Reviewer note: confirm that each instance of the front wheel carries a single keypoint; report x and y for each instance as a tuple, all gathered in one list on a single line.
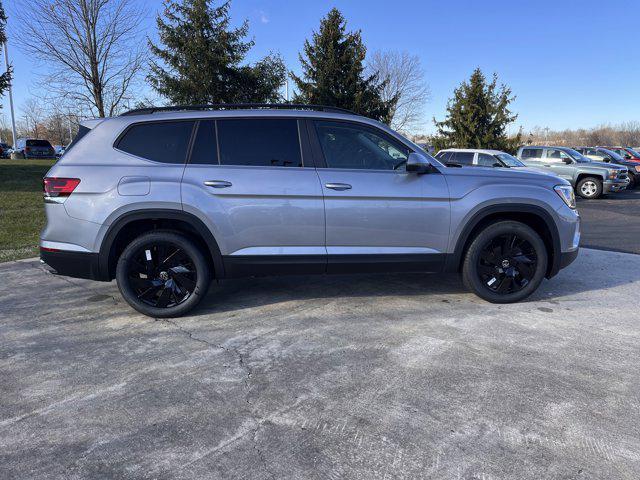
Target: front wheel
[(632, 182), (589, 187), (505, 262), (162, 274)]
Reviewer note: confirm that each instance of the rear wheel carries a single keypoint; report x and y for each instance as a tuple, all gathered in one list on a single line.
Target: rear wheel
[(505, 263), (589, 187), (162, 274)]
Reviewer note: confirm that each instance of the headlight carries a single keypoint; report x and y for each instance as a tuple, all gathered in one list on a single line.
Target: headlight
[(566, 194), (637, 169), (613, 175)]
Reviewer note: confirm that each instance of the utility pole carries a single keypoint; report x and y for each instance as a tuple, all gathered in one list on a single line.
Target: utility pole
[(13, 120)]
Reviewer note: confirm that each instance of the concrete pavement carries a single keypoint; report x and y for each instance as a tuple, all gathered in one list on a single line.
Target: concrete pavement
[(397, 376)]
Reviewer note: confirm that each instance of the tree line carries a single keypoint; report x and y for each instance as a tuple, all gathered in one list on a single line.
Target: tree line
[(97, 64)]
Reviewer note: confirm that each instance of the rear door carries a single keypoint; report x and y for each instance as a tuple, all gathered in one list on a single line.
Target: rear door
[(253, 182), (378, 216)]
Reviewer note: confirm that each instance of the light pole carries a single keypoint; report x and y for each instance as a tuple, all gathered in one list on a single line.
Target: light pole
[(13, 120)]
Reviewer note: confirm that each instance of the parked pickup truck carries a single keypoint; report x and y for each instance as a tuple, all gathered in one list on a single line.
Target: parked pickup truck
[(590, 179)]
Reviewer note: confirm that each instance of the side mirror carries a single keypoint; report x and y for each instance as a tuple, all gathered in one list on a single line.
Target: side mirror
[(416, 163), (568, 161)]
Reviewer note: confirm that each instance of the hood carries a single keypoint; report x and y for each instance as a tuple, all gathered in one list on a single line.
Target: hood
[(515, 173), (608, 166)]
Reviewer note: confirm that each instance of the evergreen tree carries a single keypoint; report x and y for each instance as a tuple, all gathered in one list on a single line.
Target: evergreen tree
[(333, 71), (477, 116), (203, 57), (5, 78)]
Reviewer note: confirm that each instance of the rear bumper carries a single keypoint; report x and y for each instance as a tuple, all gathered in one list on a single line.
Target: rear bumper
[(73, 264)]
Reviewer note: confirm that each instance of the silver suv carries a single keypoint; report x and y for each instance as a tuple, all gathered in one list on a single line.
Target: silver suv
[(166, 199)]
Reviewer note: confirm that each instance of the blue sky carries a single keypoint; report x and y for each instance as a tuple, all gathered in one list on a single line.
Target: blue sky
[(570, 63)]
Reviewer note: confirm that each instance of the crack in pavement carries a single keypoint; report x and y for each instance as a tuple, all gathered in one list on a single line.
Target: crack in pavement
[(235, 351)]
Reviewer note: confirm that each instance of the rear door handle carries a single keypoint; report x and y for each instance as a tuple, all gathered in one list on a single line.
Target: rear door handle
[(218, 183), (338, 186)]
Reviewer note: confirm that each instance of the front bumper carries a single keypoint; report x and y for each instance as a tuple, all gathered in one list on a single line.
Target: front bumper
[(567, 258), (72, 264), (612, 186)]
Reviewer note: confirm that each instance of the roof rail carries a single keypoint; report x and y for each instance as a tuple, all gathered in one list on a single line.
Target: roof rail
[(238, 106)]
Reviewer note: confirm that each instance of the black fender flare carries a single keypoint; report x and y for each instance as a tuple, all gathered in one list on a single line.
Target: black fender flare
[(454, 260), (158, 214)]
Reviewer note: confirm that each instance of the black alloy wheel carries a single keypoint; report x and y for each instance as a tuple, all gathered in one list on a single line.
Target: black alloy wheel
[(505, 262), (162, 274)]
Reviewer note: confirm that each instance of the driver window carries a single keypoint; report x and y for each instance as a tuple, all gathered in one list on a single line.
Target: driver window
[(347, 145), (556, 155), (485, 160)]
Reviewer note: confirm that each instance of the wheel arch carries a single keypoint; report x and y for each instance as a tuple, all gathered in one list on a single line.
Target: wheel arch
[(600, 176), (534, 216), (132, 224)]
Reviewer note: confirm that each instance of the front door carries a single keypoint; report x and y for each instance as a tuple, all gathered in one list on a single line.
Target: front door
[(378, 216), (560, 163), (259, 195)]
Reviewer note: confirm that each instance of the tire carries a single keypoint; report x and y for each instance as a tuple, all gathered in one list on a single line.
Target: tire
[(163, 291), (632, 182), (518, 266), (589, 187)]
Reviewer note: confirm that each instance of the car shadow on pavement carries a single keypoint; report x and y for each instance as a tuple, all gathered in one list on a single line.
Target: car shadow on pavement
[(591, 272)]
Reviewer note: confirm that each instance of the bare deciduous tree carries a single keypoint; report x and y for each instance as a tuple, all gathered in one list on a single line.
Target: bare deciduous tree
[(405, 81), (91, 49), (33, 115), (625, 134)]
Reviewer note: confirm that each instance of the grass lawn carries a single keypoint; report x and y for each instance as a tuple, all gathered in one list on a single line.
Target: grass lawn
[(21, 207)]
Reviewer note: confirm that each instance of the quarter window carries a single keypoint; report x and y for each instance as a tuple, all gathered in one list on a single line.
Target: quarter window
[(164, 142), (346, 145), (259, 142)]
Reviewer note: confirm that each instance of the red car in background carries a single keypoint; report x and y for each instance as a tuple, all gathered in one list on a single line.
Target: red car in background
[(626, 152)]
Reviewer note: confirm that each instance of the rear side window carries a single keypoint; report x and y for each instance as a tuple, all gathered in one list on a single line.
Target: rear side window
[(164, 142), (531, 153), (259, 142), (463, 158)]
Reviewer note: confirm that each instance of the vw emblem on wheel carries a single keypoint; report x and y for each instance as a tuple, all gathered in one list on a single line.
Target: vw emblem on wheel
[(505, 263)]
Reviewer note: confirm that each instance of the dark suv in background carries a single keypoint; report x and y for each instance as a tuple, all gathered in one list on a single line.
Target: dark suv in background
[(34, 148)]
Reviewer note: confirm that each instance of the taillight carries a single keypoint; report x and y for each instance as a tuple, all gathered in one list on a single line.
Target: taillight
[(27, 149), (57, 189)]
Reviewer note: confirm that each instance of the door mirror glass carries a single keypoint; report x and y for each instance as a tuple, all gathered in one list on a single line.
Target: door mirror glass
[(416, 163)]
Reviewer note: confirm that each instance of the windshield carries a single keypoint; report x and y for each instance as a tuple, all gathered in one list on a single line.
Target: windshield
[(509, 160), (577, 156), (613, 155), (633, 152)]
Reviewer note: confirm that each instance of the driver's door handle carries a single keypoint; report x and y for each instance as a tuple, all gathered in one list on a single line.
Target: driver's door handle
[(217, 183), (338, 186)]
